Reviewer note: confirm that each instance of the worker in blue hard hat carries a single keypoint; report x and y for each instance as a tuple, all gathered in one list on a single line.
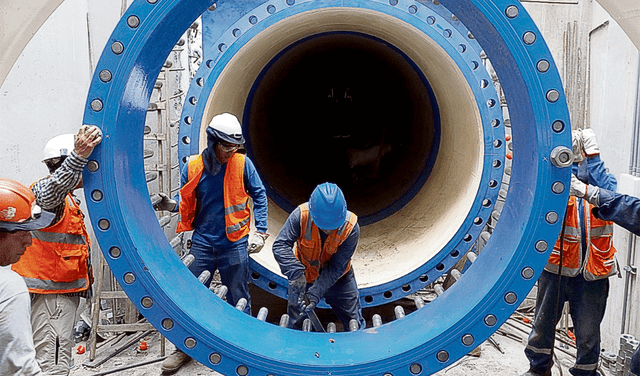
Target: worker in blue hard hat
[(314, 250), (213, 201)]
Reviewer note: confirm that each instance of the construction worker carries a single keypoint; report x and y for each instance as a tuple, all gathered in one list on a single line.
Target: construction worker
[(314, 250), (623, 210), (214, 203), (57, 266), (577, 271), (19, 214)]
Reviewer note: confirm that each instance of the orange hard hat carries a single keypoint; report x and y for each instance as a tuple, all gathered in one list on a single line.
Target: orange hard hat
[(18, 209)]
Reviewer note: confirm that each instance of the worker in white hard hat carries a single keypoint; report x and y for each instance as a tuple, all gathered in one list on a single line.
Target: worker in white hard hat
[(214, 202), (314, 250), (578, 269), (19, 215), (57, 266)]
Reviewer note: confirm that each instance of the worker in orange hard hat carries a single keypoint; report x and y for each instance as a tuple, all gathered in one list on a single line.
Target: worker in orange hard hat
[(19, 215), (314, 250), (57, 266)]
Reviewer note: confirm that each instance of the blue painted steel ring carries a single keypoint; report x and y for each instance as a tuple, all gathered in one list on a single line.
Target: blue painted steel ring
[(423, 342), (456, 40)]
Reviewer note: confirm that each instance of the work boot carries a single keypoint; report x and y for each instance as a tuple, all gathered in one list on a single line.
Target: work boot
[(173, 363), (531, 372)]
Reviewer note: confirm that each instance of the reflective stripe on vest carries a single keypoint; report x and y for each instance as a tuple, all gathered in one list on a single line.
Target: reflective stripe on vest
[(309, 248), (237, 211), (58, 260), (599, 262)]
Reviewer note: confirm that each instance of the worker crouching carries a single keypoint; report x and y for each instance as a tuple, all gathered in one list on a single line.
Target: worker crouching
[(314, 250)]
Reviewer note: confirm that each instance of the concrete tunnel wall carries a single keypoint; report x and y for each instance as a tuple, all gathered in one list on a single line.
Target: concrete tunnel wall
[(413, 234)]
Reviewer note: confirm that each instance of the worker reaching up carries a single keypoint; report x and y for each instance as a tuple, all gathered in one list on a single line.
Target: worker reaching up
[(314, 250), (213, 201), (57, 266), (577, 271)]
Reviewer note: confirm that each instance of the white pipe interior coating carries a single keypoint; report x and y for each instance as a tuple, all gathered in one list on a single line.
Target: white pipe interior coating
[(398, 244)]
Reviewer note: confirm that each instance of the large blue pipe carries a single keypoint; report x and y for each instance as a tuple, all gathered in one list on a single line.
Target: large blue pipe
[(423, 342)]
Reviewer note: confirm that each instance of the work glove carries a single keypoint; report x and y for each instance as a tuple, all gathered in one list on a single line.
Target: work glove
[(578, 146), (165, 203), (297, 288), (589, 140), (256, 242), (579, 189), (313, 302)]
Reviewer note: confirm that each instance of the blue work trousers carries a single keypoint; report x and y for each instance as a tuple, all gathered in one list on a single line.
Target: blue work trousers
[(344, 299), (233, 265), (587, 303), (635, 363)]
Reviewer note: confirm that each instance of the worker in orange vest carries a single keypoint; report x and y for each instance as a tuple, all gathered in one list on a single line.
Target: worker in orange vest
[(19, 215), (213, 201), (314, 250), (623, 210), (587, 255), (57, 266)]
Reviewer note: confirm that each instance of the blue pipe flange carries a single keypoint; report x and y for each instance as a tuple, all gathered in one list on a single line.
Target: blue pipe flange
[(434, 21), (233, 343)]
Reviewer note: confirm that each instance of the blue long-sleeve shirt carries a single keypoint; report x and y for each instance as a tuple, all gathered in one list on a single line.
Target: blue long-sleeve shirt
[(623, 210), (209, 225), (292, 268), (592, 171)]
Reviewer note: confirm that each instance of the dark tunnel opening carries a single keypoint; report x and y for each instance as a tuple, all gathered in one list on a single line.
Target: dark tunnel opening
[(346, 108)]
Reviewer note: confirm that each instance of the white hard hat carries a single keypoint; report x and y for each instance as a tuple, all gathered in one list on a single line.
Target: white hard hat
[(59, 146), (226, 127)]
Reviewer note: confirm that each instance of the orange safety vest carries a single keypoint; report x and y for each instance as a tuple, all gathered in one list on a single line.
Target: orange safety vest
[(309, 249), (58, 259), (237, 213), (599, 262)]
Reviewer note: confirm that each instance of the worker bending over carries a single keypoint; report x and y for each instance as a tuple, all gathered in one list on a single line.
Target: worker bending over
[(19, 214), (587, 256), (213, 201), (314, 250), (57, 266)]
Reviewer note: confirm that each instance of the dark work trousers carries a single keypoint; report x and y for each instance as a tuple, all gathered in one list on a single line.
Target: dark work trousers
[(344, 299), (635, 363), (587, 303), (233, 265)]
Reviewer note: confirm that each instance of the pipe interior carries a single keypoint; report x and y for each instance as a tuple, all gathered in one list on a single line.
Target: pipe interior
[(343, 108), (313, 87)]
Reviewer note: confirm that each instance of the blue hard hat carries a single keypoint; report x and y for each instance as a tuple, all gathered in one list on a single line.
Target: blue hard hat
[(327, 206)]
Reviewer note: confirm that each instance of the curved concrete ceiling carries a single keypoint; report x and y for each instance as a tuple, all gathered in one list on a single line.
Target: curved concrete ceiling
[(627, 15), (20, 20)]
